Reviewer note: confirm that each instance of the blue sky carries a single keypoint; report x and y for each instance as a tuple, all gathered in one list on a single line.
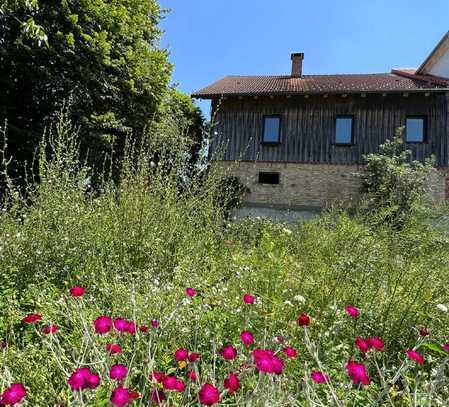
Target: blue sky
[(209, 39)]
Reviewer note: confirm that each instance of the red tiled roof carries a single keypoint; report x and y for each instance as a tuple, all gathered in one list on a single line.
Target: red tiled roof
[(398, 81)]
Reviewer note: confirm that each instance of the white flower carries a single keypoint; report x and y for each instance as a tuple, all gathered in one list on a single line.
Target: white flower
[(299, 298), (287, 231), (442, 307), (288, 303)]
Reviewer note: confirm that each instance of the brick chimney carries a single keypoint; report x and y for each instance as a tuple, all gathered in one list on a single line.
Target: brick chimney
[(297, 64)]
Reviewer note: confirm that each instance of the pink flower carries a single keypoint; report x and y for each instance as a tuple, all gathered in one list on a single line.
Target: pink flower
[(83, 378), (376, 343), (32, 318), (118, 372), (247, 338), (169, 382), (190, 292), (249, 299), (154, 323), (120, 324), (267, 362), (193, 356), (277, 365), (192, 375), (280, 339), (113, 348), (181, 354), (352, 311), (362, 344), (120, 397), (158, 376), (134, 395), (424, 332), (357, 373), (229, 352), (303, 320), (262, 353), (93, 381), (415, 356), (318, 377), (158, 396), (77, 291), (208, 395), (50, 329), (446, 347), (13, 394), (290, 352), (131, 327), (232, 383), (102, 324), (180, 386), (143, 328)]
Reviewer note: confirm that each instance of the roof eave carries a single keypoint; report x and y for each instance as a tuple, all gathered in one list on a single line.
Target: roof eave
[(432, 53)]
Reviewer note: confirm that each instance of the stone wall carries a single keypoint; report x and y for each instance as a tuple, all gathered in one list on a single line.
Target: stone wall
[(309, 186)]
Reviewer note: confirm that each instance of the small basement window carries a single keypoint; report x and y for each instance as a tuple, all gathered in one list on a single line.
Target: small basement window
[(271, 129), (343, 130), (268, 178), (415, 129)]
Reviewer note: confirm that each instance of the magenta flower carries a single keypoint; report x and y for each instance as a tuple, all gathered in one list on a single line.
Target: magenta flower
[(120, 397), (118, 372), (181, 354), (131, 327), (180, 386), (113, 348), (267, 362), (169, 382), (423, 331), (290, 352), (249, 299), (352, 311), (158, 376), (143, 328), (32, 318), (190, 292), (247, 338), (357, 373), (362, 344), (158, 396), (303, 320), (415, 356), (318, 377), (50, 329), (121, 324), (208, 395), (93, 381), (154, 323), (102, 324), (83, 378), (192, 375), (446, 347), (376, 343), (14, 394), (77, 291), (232, 383), (229, 352), (193, 356)]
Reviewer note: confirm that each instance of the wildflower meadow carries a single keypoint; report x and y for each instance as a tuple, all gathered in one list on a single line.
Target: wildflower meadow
[(141, 292)]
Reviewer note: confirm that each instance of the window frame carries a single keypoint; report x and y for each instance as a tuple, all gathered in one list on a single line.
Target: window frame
[(344, 116), (278, 174), (424, 136), (271, 116)]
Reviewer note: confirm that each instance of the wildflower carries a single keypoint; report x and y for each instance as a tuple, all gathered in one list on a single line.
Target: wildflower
[(77, 291), (192, 375), (158, 396), (32, 318), (120, 324), (102, 324), (118, 372), (446, 347), (415, 356), (267, 362), (290, 352), (249, 299), (134, 395), (13, 394), (143, 328), (232, 383), (113, 348), (50, 329), (423, 331), (180, 386), (362, 344), (193, 356), (357, 373), (131, 327), (154, 323), (208, 395), (229, 352), (83, 378), (299, 298), (190, 292), (442, 307), (375, 342), (303, 320), (120, 397), (93, 381), (318, 377), (181, 354), (247, 338), (169, 382), (158, 376), (352, 311)]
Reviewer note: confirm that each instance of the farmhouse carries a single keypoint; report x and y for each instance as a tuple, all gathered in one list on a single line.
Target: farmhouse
[(298, 140)]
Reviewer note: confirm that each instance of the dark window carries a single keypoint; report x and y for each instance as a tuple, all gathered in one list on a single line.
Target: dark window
[(271, 129), (268, 178), (343, 130), (415, 129)]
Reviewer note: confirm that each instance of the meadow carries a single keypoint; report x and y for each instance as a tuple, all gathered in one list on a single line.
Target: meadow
[(143, 292)]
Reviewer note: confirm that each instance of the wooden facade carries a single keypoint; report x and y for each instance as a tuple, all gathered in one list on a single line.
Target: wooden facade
[(308, 126)]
